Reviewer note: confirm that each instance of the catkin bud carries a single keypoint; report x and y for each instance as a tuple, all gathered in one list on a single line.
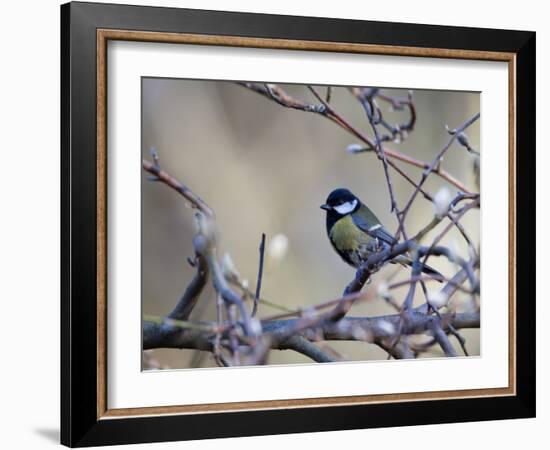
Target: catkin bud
[(386, 327), (355, 148), (442, 202), (437, 299), (277, 247)]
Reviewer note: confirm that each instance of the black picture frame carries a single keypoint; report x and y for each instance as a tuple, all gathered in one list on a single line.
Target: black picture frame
[(80, 425)]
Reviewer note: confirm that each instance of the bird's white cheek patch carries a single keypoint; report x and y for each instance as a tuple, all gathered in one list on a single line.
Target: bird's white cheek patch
[(346, 208)]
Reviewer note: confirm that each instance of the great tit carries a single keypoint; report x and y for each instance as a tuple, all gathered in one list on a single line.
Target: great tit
[(356, 233)]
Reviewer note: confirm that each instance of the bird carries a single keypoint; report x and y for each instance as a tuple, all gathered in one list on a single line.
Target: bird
[(356, 233)]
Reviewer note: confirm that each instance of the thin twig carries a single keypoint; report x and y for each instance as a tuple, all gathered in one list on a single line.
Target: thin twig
[(327, 111), (435, 165), (195, 201), (260, 275), (329, 94)]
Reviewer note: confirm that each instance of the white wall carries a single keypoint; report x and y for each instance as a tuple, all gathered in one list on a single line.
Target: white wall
[(29, 245)]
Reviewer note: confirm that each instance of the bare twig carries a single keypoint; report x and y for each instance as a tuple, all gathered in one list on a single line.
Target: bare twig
[(369, 106), (195, 201), (325, 110), (433, 167), (356, 296), (260, 274), (329, 94)]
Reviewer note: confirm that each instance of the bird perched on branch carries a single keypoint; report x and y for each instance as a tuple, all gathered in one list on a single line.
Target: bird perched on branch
[(356, 233)]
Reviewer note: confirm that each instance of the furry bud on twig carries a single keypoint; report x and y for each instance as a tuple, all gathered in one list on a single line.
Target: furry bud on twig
[(437, 299), (356, 148), (386, 327), (256, 326), (382, 290), (442, 202), (277, 248)]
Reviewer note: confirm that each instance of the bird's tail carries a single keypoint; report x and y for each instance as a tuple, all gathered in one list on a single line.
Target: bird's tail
[(406, 261)]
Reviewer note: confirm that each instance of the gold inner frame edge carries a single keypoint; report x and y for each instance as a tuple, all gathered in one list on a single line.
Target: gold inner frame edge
[(103, 36)]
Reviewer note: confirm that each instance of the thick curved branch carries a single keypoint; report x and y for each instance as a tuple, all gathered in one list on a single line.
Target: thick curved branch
[(192, 293), (442, 339), (300, 344), (168, 335), (205, 241)]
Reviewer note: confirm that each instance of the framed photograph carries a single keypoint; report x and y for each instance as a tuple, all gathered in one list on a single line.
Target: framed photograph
[(276, 224)]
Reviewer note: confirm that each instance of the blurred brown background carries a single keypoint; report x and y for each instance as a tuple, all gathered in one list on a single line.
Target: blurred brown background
[(266, 168)]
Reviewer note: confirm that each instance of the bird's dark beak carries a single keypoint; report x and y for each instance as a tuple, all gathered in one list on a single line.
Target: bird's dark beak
[(326, 207)]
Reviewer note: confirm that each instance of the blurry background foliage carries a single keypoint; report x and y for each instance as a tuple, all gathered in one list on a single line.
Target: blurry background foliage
[(266, 168)]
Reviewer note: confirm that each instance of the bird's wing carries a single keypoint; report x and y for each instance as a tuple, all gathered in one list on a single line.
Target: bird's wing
[(374, 228)]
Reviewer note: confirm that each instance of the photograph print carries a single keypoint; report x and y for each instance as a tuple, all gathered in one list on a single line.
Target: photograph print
[(303, 224)]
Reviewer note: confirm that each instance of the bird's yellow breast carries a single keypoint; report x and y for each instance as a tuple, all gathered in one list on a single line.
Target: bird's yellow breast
[(345, 235)]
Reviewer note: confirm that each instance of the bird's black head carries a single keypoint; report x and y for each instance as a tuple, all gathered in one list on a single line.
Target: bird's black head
[(341, 202)]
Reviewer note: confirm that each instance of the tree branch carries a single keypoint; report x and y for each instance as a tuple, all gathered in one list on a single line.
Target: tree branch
[(194, 200), (325, 110), (192, 293), (167, 334), (300, 344)]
